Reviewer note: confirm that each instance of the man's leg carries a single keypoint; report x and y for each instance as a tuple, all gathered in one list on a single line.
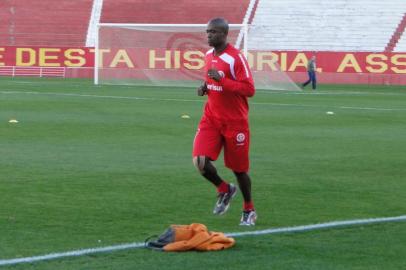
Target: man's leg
[(207, 169), (236, 152), (308, 81), (244, 182), (314, 80), (225, 190), (206, 147), (249, 216)]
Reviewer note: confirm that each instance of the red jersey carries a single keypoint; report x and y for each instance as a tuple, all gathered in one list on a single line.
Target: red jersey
[(227, 99)]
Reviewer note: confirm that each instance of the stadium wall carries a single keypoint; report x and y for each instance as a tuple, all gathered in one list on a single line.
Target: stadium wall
[(333, 67)]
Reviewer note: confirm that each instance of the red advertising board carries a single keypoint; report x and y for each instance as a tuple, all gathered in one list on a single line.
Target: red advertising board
[(46, 57), (333, 67)]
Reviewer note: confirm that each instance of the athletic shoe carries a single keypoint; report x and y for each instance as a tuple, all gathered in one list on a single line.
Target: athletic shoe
[(248, 218), (224, 199)]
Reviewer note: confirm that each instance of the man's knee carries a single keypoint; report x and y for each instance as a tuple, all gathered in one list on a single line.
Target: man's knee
[(237, 173), (200, 163)]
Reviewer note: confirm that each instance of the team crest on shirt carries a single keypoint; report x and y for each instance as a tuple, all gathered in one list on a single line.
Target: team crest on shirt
[(240, 137)]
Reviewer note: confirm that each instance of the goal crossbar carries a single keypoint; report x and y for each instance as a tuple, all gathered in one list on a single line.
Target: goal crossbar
[(173, 55), (160, 25)]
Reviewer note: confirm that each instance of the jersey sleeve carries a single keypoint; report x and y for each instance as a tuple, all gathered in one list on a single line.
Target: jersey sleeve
[(243, 83)]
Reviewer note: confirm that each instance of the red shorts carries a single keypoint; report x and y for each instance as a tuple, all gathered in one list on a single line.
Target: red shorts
[(213, 134)]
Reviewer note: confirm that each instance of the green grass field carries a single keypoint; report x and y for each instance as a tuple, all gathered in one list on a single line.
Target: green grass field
[(90, 166)]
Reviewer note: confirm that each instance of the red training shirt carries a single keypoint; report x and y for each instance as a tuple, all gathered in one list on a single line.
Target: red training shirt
[(227, 99)]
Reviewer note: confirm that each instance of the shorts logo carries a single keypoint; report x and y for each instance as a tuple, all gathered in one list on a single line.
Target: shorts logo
[(240, 137)]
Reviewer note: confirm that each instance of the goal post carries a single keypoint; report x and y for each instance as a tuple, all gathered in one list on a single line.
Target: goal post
[(166, 55)]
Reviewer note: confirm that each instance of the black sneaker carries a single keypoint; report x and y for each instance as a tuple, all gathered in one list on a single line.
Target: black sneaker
[(224, 199)]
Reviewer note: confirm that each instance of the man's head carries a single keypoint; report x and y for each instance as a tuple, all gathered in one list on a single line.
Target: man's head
[(217, 31)]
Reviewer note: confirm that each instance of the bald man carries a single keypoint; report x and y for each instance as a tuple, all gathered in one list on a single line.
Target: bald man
[(224, 124)]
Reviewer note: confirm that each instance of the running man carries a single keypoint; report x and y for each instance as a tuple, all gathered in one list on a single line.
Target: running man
[(224, 124)]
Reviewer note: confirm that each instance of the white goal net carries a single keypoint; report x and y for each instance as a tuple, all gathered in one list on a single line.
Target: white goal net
[(171, 55)]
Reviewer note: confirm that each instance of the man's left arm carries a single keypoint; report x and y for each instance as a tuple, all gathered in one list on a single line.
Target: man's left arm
[(243, 83), (243, 88)]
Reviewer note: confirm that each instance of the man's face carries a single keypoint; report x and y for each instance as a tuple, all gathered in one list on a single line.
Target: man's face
[(215, 35)]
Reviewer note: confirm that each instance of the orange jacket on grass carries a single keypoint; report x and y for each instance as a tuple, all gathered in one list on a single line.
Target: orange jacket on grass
[(196, 237)]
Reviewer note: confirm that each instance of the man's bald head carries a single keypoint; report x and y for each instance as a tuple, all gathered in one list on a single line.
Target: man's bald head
[(220, 23)]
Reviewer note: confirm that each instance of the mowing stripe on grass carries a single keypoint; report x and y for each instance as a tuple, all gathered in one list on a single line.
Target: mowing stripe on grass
[(303, 228), (198, 100)]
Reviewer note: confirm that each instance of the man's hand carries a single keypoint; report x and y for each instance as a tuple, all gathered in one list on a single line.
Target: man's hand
[(214, 74), (202, 90)]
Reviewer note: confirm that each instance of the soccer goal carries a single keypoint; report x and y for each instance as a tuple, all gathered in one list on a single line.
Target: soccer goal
[(169, 55)]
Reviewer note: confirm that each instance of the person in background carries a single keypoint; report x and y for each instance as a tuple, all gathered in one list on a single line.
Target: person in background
[(311, 71)]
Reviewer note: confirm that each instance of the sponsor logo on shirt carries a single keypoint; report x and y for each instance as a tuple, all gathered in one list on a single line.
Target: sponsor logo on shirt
[(214, 87)]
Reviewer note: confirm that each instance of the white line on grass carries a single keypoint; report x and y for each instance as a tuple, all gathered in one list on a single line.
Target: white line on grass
[(303, 228), (330, 93), (277, 92), (332, 107), (333, 224), (197, 100), (74, 253)]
